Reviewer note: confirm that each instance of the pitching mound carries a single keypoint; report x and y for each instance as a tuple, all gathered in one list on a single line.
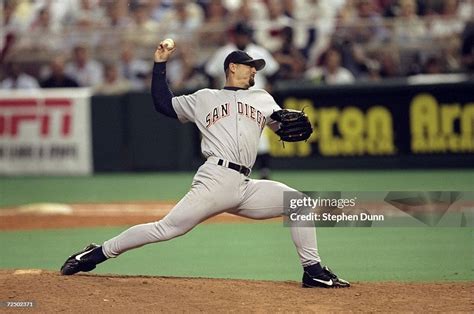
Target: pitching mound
[(92, 293)]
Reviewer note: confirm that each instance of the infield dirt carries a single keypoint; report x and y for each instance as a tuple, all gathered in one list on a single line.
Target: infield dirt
[(94, 293), (95, 215)]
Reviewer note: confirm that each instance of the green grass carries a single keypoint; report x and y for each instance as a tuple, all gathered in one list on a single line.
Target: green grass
[(172, 186), (253, 251), (98, 188), (263, 251)]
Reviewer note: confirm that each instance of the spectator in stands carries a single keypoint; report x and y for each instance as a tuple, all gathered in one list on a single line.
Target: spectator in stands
[(467, 49), (117, 15), (43, 27), (60, 12), (113, 28), (215, 12), (373, 70), (86, 71), (356, 60), (183, 73), (466, 10), (216, 17), (347, 14), (433, 65), (250, 11), (10, 20), (448, 23), (89, 14), (369, 24), (388, 8), (289, 8), (312, 10), (132, 68), (11, 27), (143, 30), (389, 64), (114, 83), (268, 33), (331, 71), (412, 63), (17, 79), (23, 13), (42, 23), (291, 60), (408, 27), (159, 9), (58, 78), (452, 54), (324, 14), (185, 16), (241, 38)]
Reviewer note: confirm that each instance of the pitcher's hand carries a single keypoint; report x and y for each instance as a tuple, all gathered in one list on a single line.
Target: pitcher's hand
[(162, 53)]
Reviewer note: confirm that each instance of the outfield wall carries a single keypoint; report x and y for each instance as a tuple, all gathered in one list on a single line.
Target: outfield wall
[(398, 125), (360, 126), (392, 125)]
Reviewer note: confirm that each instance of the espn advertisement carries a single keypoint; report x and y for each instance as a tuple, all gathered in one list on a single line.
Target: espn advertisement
[(45, 132)]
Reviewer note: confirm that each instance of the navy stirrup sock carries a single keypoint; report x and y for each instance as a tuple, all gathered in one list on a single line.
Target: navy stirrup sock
[(314, 269), (96, 255)]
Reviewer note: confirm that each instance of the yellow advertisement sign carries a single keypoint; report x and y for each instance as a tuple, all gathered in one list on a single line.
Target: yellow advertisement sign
[(341, 131), (441, 128)]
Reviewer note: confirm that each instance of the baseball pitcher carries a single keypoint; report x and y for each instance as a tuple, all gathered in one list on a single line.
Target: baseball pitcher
[(231, 121)]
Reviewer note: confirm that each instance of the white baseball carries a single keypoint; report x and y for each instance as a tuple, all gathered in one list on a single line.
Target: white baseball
[(169, 43)]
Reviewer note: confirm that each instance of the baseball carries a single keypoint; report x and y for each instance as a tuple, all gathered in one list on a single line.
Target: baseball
[(169, 42)]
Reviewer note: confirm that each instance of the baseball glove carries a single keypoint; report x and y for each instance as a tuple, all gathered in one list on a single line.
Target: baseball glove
[(294, 125)]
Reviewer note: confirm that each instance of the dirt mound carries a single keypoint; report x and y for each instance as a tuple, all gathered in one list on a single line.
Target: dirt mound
[(93, 293)]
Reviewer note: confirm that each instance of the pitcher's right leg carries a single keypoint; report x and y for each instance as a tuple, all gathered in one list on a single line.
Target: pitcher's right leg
[(195, 207), (182, 218), (214, 191)]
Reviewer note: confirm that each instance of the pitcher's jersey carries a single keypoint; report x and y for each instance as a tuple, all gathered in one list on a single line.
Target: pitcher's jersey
[(230, 121)]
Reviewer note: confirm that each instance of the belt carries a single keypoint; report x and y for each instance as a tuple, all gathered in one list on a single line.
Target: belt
[(239, 168)]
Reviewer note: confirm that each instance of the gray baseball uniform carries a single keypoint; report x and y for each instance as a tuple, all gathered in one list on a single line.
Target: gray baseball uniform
[(231, 122)]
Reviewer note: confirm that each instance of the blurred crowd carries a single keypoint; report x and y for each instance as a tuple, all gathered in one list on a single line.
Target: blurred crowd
[(108, 45)]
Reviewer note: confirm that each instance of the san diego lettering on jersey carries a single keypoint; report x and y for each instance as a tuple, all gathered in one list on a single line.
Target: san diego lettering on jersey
[(216, 114), (243, 109), (252, 113)]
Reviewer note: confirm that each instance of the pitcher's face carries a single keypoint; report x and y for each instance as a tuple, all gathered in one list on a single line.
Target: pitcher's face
[(247, 73)]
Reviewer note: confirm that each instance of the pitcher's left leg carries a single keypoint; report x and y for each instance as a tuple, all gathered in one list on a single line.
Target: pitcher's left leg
[(263, 199)]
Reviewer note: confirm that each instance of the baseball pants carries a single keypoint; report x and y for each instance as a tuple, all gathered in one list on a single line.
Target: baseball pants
[(217, 189)]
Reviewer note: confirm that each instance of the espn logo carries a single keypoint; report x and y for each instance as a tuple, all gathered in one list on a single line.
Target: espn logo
[(16, 114)]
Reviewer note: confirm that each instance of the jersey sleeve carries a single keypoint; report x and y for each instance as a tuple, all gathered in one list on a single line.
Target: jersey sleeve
[(271, 106), (272, 124), (184, 106)]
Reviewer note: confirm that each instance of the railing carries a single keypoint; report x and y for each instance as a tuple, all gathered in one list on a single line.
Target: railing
[(393, 36), (38, 46)]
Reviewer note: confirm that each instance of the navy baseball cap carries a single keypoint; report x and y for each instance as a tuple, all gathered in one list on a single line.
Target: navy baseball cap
[(241, 57)]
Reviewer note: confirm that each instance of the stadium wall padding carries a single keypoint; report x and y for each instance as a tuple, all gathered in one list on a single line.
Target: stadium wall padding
[(395, 125)]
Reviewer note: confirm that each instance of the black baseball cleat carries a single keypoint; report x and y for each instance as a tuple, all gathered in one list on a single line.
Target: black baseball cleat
[(80, 261), (325, 279)]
